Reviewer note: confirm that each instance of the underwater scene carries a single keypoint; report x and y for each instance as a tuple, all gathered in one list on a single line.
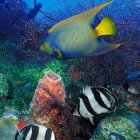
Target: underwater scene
[(69, 70)]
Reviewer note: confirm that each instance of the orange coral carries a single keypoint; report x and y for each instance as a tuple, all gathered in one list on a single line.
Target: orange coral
[(43, 109), (49, 108)]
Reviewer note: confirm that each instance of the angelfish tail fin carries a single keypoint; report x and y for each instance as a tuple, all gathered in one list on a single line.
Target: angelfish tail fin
[(106, 27)]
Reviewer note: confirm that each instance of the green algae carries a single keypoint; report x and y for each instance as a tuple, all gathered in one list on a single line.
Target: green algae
[(19, 74), (7, 127), (116, 128)]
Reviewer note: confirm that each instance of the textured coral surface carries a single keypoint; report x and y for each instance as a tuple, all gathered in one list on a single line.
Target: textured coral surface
[(48, 107)]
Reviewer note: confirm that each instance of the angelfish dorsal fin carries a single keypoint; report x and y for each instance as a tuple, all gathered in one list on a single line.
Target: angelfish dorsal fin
[(85, 16), (105, 27), (90, 14)]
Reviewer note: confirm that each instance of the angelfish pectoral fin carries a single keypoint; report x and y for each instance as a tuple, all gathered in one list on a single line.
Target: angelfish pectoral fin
[(105, 27), (60, 56), (46, 48)]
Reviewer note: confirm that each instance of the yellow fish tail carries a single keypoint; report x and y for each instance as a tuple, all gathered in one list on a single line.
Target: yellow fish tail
[(105, 27)]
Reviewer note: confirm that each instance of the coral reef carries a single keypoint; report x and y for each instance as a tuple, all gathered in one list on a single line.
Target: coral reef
[(61, 68), (116, 128), (22, 64), (32, 34), (22, 76), (3, 86), (7, 127), (42, 100), (15, 76), (49, 108)]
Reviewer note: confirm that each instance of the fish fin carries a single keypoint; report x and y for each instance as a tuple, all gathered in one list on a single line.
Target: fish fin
[(87, 16), (46, 48), (92, 120), (92, 12), (60, 56), (105, 47), (75, 113), (105, 27), (16, 135), (115, 46), (116, 100)]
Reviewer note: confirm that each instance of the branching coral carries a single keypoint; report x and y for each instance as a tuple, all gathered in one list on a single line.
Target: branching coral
[(31, 34)]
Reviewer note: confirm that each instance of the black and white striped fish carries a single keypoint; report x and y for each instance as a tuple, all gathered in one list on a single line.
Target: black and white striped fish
[(35, 132), (95, 101)]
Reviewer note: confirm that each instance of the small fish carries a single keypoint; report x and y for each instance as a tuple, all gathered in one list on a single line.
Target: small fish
[(27, 87), (75, 37), (22, 123), (95, 101), (35, 132)]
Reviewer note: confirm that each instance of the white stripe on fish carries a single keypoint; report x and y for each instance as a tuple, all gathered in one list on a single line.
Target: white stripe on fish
[(95, 101)]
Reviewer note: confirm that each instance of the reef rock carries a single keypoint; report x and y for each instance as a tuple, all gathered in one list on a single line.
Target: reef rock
[(116, 128), (7, 127)]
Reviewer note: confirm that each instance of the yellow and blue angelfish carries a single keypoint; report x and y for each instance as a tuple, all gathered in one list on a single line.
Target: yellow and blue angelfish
[(75, 37)]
